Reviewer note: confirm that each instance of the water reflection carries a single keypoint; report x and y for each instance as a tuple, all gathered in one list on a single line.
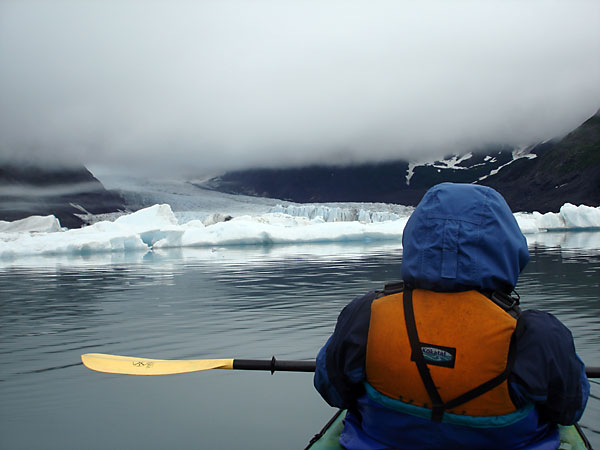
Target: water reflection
[(217, 302), (581, 243)]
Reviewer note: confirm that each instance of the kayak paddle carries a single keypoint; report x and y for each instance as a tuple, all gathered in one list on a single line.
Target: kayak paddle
[(130, 365)]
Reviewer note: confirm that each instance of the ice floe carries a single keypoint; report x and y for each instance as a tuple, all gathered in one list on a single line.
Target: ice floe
[(33, 224), (157, 227)]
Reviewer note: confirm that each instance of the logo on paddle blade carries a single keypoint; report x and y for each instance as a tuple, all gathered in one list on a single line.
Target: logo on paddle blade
[(146, 364)]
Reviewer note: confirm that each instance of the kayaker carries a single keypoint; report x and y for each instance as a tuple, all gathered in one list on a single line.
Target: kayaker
[(447, 359)]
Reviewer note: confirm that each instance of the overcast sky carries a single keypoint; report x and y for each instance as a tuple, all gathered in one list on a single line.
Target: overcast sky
[(206, 86)]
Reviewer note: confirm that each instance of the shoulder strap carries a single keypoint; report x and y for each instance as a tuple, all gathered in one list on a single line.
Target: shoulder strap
[(439, 406), (417, 356)]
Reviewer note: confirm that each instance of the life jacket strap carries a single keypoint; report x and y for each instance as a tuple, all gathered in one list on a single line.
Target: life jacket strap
[(419, 359), (477, 391), (438, 405), (496, 381)]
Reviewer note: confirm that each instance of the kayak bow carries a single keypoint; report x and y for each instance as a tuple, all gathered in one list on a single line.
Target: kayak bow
[(571, 437)]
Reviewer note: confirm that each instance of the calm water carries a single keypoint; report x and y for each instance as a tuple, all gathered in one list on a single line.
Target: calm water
[(247, 303)]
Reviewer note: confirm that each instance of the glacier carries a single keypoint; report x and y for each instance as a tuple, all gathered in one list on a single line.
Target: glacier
[(158, 227)]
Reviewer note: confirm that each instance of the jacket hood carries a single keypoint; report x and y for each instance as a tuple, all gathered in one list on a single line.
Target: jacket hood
[(462, 237)]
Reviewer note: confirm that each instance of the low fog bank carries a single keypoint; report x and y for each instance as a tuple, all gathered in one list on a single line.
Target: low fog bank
[(207, 87)]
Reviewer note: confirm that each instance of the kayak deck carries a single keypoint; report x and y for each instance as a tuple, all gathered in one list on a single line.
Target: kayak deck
[(328, 437), (571, 437)]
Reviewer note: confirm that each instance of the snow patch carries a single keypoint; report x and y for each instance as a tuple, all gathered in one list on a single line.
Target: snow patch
[(453, 163), (410, 172), (517, 153)]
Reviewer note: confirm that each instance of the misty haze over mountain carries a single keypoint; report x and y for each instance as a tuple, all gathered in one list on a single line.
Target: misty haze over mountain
[(206, 87)]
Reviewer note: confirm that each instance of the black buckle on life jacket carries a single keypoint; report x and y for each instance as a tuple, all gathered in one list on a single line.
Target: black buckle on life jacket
[(392, 288), (506, 302)]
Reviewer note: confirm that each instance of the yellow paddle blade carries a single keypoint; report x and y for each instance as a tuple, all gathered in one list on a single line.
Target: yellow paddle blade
[(130, 365)]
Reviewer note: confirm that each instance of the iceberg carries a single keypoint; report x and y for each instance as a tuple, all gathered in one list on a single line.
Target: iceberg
[(33, 224), (570, 217), (578, 217), (158, 227)]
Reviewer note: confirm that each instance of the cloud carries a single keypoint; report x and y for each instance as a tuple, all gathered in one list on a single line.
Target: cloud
[(208, 86)]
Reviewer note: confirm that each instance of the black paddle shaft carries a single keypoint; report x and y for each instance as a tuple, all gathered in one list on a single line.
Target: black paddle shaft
[(592, 372), (274, 365)]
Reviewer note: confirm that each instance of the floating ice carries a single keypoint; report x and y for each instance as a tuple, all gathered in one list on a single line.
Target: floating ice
[(580, 216), (45, 224), (157, 216), (157, 227), (570, 217)]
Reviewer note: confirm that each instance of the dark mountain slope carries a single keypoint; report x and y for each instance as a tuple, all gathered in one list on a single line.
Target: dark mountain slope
[(566, 170), (319, 183), (390, 182), (27, 190), (383, 182)]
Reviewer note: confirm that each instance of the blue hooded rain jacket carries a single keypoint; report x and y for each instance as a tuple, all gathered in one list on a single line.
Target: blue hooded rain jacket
[(460, 237)]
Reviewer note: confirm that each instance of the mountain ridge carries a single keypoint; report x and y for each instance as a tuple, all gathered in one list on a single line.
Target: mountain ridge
[(29, 189), (566, 170), (540, 177)]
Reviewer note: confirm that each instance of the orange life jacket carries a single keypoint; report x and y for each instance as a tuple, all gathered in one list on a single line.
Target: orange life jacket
[(449, 352)]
